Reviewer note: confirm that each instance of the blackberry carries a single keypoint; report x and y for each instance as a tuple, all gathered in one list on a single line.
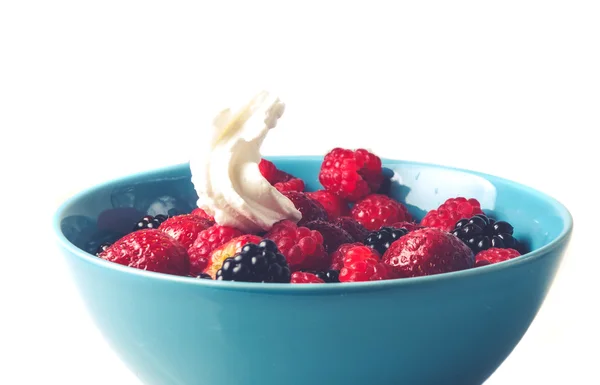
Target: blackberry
[(481, 233), (161, 218), (381, 240), (203, 276), (150, 222), (329, 276), (256, 263), (101, 241), (103, 246)]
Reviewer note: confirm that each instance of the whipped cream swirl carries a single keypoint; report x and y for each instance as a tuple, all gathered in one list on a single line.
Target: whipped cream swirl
[(225, 169)]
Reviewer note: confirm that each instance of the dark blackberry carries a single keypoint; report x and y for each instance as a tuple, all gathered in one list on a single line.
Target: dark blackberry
[(101, 240), (481, 232), (161, 218), (381, 240), (256, 263), (103, 246), (203, 276), (329, 276), (150, 222)]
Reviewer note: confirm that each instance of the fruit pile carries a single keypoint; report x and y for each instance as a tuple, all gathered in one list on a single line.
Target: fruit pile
[(350, 231)]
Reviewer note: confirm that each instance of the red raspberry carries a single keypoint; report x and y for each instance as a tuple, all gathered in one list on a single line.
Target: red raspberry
[(379, 210), (450, 212), (337, 257), (202, 214), (302, 247), (353, 227), (361, 263), (333, 235), (410, 226), (149, 249), (333, 204), (271, 173), (311, 210), (351, 174), (426, 252), (226, 250), (206, 242), (295, 184), (185, 228), (301, 277), (495, 255)]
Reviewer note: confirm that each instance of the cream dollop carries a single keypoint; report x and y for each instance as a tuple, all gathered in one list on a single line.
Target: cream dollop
[(225, 169)]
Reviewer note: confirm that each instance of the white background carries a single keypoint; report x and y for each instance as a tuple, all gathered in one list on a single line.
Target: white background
[(93, 90)]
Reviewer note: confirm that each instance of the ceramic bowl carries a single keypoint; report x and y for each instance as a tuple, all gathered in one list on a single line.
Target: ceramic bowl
[(453, 328)]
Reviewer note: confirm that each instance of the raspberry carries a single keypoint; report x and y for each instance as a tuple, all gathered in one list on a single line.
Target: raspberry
[(495, 255), (450, 212), (295, 184), (333, 235), (333, 204), (376, 211), (302, 247), (337, 257), (426, 252), (149, 249), (353, 227), (271, 173), (361, 263), (185, 228), (311, 210), (409, 226), (328, 276), (202, 214), (281, 180), (206, 242), (351, 174), (255, 263), (228, 250), (365, 270), (303, 277), (361, 252)]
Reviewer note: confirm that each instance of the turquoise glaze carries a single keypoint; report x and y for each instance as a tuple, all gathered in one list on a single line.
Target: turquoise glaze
[(454, 328)]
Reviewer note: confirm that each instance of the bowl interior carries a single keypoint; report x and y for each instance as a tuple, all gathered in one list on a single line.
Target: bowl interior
[(109, 211)]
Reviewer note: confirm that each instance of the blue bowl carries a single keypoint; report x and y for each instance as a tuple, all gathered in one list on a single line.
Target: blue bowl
[(453, 328)]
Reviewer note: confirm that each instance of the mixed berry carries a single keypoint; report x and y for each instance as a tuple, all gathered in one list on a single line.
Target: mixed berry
[(256, 263), (481, 233), (150, 222), (382, 239), (351, 230)]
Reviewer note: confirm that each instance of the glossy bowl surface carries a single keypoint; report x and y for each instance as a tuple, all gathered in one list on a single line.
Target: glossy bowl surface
[(454, 328)]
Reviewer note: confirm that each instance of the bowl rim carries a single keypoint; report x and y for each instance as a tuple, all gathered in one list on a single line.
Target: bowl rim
[(329, 288)]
